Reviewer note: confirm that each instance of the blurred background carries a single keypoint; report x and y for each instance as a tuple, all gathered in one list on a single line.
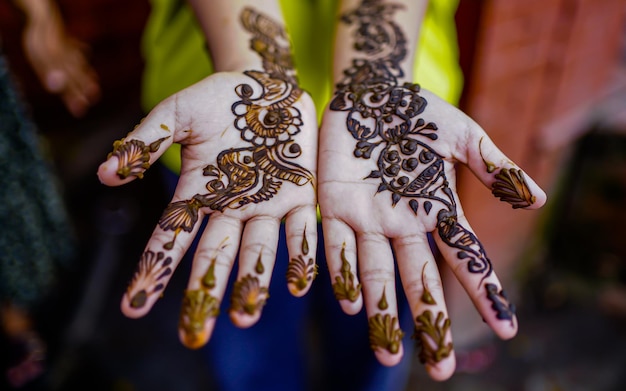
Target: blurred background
[(545, 78)]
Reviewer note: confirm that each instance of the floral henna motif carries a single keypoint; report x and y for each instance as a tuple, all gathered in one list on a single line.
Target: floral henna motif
[(384, 333), (504, 309), (248, 295), (384, 117), (344, 287), (134, 156), (510, 186), (152, 269), (267, 120), (300, 272), (199, 305), (431, 337)]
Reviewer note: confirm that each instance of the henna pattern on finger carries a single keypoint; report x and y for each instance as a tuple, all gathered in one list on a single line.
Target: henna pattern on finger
[(385, 119), (384, 333), (431, 337), (499, 302), (133, 156), (426, 297), (300, 271), (382, 303), (248, 295), (152, 270), (198, 305), (268, 120), (258, 267), (344, 288), (511, 186)]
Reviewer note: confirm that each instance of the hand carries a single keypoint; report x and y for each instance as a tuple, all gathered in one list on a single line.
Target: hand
[(58, 59), (387, 180), (249, 144)]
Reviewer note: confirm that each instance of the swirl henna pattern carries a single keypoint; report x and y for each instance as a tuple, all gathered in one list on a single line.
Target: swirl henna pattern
[(267, 121), (386, 119)]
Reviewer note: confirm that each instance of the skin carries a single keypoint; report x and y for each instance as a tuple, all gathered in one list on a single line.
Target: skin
[(358, 211)]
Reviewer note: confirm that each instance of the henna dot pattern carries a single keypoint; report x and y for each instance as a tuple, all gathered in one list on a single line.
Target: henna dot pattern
[(133, 156), (431, 336), (384, 333), (248, 295), (344, 288), (152, 270), (268, 121)]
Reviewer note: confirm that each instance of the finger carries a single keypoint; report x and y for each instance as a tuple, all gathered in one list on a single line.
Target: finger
[(468, 260), (133, 155), (154, 270), (211, 267), (301, 234), (340, 250), (505, 179), (422, 285), (376, 268), (256, 262)]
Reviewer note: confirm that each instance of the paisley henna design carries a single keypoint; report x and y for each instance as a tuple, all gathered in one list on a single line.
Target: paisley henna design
[(248, 295), (133, 156), (267, 121), (383, 117), (382, 303), (504, 309), (259, 268), (431, 336), (198, 306), (151, 270), (427, 297), (343, 287), (510, 186), (384, 333)]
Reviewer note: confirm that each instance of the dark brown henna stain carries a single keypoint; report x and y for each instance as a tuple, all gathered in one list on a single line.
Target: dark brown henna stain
[(431, 337), (248, 295), (267, 120), (259, 268), (133, 156), (384, 118), (510, 186), (305, 244), (427, 297), (384, 333), (301, 272), (198, 305), (152, 269), (499, 302), (343, 287), (382, 303)]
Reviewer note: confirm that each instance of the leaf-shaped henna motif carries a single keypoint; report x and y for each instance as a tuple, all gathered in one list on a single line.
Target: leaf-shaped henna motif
[(384, 333), (499, 302), (248, 295), (431, 337), (344, 287), (133, 156), (152, 269), (198, 305), (510, 186)]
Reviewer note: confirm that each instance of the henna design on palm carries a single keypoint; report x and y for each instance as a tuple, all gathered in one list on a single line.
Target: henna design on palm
[(267, 120), (383, 117)]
